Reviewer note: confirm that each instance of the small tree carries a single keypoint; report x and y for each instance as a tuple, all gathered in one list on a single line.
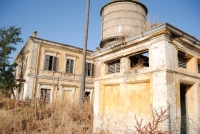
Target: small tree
[(8, 38)]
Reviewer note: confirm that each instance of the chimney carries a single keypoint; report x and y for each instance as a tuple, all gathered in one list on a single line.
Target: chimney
[(35, 34)]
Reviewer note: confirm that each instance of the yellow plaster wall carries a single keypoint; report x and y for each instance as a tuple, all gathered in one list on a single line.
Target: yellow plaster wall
[(134, 98), (112, 99), (61, 55), (191, 64), (191, 102), (139, 98)]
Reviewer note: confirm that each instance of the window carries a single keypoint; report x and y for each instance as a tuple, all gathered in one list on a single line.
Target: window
[(114, 67), (50, 63), (140, 60), (88, 95), (182, 61), (70, 66), (89, 69)]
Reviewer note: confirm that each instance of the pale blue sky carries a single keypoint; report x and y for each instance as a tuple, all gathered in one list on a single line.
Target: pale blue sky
[(63, 20)]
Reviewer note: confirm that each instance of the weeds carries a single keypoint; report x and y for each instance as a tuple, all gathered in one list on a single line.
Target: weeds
[(33, 117)]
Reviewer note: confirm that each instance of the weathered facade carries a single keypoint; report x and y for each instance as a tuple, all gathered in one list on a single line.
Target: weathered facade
[(52, 71), (152, 68), (137, 68)]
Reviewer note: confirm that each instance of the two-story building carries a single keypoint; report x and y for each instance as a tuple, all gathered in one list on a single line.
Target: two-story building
[(52, 71)]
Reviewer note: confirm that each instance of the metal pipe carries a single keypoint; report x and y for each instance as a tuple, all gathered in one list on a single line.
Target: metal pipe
[(82, 87)]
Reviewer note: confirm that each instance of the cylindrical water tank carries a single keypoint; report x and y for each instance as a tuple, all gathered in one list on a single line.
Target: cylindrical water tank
[(122, 18)]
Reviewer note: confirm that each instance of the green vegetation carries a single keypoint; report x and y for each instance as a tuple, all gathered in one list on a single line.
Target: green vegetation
[(9, 37)]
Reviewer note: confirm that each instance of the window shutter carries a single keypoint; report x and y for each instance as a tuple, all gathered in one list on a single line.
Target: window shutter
[(181, 59), (111, 68), (71, 66), (67, 66), (54, 63), (86, 69), (117, 65), (46, 62), (92, 74)]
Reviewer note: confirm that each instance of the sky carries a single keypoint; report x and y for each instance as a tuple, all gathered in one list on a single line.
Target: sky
[(64, 20)]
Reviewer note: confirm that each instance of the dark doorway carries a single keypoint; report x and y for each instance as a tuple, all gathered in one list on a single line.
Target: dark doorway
[(45, 95), (183, 90)]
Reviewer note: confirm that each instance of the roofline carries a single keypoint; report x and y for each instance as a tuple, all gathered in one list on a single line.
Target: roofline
[(139, 3), (31, 37), (167, 26), (40, 39)]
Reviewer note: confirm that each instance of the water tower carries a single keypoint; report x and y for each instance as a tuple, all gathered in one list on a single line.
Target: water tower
[(121, 18)]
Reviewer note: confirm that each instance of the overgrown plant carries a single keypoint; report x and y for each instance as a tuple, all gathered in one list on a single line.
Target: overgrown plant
[(152, 126)]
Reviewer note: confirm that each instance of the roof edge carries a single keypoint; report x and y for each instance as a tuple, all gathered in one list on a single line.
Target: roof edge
[(139, 3)]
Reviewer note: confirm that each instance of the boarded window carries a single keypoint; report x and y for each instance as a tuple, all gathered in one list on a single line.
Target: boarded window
[(114, 67), (89, 69), (50, 63), (140, 59), (182, 61), (69, 66)]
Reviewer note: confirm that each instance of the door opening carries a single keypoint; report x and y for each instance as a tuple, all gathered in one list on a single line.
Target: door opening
[(183, 90)]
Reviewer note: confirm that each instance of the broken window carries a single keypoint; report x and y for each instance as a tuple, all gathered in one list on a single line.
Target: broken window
[(50, 63), (89, 69), (114, 67), (70, 66), (140, 59), (86, 96), (182, 61)]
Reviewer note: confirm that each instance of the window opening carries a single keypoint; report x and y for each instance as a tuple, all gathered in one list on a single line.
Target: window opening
[(86, 96), (140, 60), (182, 61), (89, 69), (70, 66), (50, 63), (114, 67)]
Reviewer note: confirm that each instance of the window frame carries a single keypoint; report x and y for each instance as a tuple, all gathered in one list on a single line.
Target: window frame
[(50, 53), (74, 65), (116, 65), (91, 93), (92, 68)]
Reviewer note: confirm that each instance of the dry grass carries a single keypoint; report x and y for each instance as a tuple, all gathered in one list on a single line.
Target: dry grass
[(32, 117)]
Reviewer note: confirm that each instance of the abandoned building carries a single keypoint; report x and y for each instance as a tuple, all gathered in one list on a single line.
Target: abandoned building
[(137, 67), (140, 68), (51, 71)]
